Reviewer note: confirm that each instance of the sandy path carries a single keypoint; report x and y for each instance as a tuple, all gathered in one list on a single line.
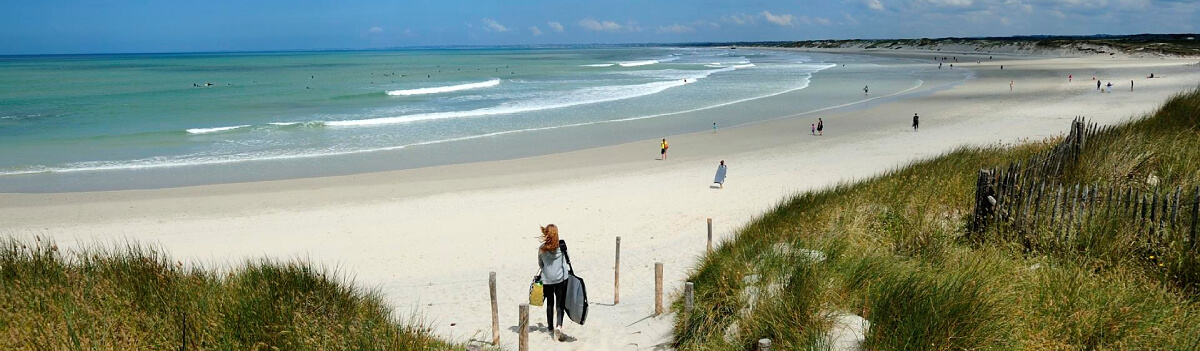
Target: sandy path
[(427, 238)]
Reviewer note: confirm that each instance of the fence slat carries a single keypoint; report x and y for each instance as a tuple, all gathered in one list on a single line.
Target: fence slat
[(1195, 213)]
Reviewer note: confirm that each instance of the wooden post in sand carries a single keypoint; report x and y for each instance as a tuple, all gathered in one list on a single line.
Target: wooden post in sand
[(617, 275), (658, 288), (689, 299), (523, 328), (710, 235), (495, 310), (764, 344)]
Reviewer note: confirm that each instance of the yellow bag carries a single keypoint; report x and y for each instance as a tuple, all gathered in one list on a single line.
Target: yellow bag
[(535, 292)]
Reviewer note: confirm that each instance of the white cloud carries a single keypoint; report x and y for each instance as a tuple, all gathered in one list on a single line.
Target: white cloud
[(535, 30), (783, 20), (608, 26), (493, 26), (951, 3), (375, 30), (676, 28), (849, 19), (875, 5), (740, 19), (819, 20), (557, 27)]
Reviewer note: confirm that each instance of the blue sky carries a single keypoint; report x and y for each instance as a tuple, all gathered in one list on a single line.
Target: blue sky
[(113, 26)]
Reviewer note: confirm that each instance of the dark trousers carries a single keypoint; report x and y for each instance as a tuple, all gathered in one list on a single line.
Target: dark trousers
[(555, 296)]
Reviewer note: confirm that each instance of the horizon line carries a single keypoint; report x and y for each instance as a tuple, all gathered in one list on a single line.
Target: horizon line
[(472, 46)]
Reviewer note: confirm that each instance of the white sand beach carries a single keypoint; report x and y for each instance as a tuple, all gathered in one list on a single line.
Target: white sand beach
[(427, 238)]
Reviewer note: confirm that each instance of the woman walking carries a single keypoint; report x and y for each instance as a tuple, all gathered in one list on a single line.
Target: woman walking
[(554, 277), (820, 127), (720, 178)]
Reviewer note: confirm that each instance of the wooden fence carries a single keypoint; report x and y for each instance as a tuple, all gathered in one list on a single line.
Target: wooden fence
[(1026, 203)]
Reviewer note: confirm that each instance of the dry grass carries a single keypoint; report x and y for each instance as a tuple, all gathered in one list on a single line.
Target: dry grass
[(897, 254)]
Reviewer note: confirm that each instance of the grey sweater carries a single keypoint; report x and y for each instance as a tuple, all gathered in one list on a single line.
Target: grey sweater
[(553, 264)]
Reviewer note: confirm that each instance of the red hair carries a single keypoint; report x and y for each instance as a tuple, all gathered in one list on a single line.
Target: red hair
[(549, 238)]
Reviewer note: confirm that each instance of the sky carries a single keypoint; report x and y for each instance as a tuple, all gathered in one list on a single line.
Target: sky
[(144, 26)]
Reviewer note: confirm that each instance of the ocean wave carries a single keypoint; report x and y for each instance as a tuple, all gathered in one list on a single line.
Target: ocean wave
[(558, 100), (194, 160), (445, 89), (298, 124), (599, 65), (215, 130), (638, 63)]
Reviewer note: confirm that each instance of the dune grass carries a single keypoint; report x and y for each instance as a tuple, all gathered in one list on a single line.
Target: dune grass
[(897, 252), (137, 298)]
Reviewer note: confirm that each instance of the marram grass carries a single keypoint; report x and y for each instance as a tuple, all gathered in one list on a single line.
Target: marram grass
[(136, 298), (897, 253)]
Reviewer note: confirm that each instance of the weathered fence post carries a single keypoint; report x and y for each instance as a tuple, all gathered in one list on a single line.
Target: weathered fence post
[(1175, 209), (1153, 222), (523, 328), (710, 235), (495, 309), (617, 274), (764, 344), (658, 288), (1195, 213), (689, 299), (1054, 211)]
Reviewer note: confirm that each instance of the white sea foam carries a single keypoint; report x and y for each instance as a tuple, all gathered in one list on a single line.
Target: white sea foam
[(445, 89), (557, 100), (638, 63), (196, 159), (599, 65), (214, 130)]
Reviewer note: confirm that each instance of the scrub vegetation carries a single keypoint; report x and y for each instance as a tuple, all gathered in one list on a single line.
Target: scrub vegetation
[(900, 251)]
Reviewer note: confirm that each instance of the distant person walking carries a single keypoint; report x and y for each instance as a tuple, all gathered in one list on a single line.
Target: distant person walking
[(720, 178), (1070, 77), (1097, 84), (916, 121), (554, 277), (1109, 87), (1010, 84), (1131, 85), (866, 90), (714, 127), (664, 149), (814, 129), (820, 127)]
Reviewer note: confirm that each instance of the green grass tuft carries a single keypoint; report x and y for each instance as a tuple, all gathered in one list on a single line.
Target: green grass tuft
[(137, 298)]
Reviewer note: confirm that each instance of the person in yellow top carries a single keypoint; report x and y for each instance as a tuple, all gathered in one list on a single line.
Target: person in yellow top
[(664, 149)]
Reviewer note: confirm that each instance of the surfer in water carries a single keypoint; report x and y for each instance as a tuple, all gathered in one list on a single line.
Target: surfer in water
[(866, 90), (720, 178)]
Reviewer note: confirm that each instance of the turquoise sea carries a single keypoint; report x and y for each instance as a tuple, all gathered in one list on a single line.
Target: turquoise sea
[(104, 122)]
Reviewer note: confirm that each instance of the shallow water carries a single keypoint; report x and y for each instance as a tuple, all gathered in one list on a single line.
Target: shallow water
[(105, 122)]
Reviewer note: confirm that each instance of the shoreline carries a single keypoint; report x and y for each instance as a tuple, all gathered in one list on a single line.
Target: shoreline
[(498, 146), (428, 237)]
